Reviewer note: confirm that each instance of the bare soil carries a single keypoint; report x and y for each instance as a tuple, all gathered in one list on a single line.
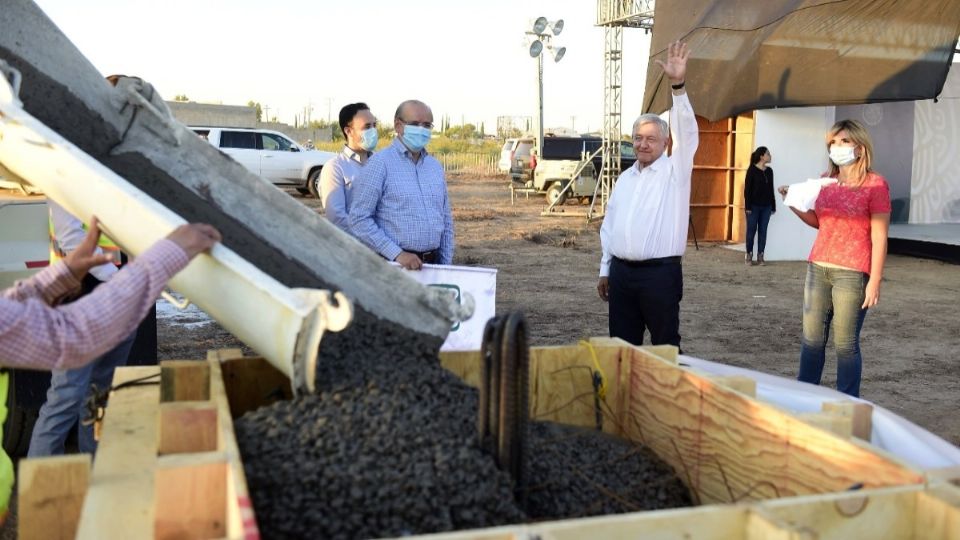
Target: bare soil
[(742, 316)]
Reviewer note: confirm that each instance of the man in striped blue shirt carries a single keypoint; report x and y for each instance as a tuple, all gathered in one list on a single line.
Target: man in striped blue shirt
[(400, 207)]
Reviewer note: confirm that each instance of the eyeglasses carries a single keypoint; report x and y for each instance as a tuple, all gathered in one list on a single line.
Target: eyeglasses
[(428, 125)]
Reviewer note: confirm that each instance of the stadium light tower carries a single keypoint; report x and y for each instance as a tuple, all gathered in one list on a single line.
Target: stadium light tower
[(539, 36)]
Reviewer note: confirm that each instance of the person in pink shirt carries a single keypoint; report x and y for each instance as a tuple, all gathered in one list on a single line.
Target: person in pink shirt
[(35, 333), (845, 269)]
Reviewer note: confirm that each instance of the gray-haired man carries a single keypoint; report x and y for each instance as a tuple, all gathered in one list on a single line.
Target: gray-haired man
[(644, 232)]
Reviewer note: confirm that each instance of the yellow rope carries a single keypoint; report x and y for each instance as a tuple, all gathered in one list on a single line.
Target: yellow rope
[(602, 390)]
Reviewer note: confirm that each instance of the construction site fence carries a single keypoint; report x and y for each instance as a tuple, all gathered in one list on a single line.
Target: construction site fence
[(468, 163)]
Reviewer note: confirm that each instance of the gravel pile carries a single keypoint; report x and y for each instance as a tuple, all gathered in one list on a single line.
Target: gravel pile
[(388, 448), (576, 472)]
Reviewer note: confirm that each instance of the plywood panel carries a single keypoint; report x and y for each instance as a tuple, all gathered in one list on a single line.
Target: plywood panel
[(184, 380), (191, 498), (187, 427), (252, 383), (710, 224), (715, 149), (882, 513), (51, 491), (664, 412), (709, 186)]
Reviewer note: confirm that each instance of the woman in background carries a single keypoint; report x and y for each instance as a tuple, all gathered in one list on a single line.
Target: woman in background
[(758, 202), (845, 265)]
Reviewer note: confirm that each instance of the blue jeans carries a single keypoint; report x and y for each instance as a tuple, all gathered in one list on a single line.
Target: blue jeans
[(833, 295), (757, 221), (65, 402)]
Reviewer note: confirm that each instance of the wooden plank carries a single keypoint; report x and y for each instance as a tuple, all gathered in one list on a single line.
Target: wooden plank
[(759, 451), (763, 526), (664, 412), (184, 380), (704, 523), (464, 364), (860, 414), (740, 383), (119, 502), (240, 520), (561, 385), (744, 451), (938, 513), (191, 497), (841, 426), (51, 491), (880, 513), (944, 474), (187, 427), (252, 383)]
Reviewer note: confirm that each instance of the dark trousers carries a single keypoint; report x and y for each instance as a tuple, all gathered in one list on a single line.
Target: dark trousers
[(757, 221), (645, 296)]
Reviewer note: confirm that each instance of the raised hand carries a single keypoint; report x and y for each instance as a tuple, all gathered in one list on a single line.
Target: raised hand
[(675, 68), (85, 257)]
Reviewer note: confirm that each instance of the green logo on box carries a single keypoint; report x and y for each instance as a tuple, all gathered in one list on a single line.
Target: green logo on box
[(454, 291)]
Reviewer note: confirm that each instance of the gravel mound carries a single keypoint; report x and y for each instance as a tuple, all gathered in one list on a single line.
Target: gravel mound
[(389, 448)]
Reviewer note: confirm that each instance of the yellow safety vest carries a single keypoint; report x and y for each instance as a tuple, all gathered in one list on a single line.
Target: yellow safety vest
[(6, 466), (57, 252)]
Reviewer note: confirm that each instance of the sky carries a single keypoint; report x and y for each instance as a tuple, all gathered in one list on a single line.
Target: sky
[(466, 59)]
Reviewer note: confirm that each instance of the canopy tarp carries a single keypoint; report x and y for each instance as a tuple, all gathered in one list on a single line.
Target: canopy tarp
[(748, 55)]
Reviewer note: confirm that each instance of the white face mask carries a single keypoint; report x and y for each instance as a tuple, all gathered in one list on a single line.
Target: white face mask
[(842, 155)]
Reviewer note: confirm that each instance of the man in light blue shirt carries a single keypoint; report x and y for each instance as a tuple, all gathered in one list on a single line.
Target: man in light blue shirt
[(359, 129), (400, 207)]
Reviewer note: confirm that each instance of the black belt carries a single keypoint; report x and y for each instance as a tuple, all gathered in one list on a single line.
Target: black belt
[(428, 257), (661, 261)]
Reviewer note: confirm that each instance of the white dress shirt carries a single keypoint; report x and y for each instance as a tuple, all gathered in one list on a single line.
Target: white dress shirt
[(649, 209)]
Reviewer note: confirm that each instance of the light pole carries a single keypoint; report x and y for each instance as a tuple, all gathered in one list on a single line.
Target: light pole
[(541, 31)]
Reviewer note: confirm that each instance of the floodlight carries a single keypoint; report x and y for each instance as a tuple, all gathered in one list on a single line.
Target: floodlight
[(557, 52), (539, 25), (536, 47), (556, 27)]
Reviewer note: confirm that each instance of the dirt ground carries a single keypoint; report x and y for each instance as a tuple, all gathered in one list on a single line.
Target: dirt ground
[(743, 316)]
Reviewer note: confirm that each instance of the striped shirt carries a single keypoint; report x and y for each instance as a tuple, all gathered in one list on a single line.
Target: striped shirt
[(35, 335), (336, 183), (402, 205)]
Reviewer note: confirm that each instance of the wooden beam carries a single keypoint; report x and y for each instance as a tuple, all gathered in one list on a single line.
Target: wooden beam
[(240, 521), (841, 426), (184, 380), (740, 383), (861, 415), (119, 503), (51, 491)]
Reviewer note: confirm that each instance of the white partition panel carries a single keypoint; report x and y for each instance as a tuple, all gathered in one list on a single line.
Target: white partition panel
[(795, 137)]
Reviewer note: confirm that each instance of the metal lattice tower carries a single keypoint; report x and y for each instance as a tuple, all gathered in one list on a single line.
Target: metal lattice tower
[(614, 16)]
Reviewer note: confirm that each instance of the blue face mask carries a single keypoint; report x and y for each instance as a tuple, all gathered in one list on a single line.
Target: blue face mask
[(369, 138), (416, 137)]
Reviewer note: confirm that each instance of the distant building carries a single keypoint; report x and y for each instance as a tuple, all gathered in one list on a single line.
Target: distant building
[(207, 114), (240, 116)]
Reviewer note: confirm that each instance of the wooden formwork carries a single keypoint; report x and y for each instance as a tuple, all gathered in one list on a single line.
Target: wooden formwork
[(168, 465)]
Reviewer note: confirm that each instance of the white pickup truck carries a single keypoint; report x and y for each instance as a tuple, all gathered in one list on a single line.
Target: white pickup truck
[(271, 155), (24, 247)]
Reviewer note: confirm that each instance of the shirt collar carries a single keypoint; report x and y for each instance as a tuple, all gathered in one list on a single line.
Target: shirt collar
[(351, 154), (656, 165), (404, 151)]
